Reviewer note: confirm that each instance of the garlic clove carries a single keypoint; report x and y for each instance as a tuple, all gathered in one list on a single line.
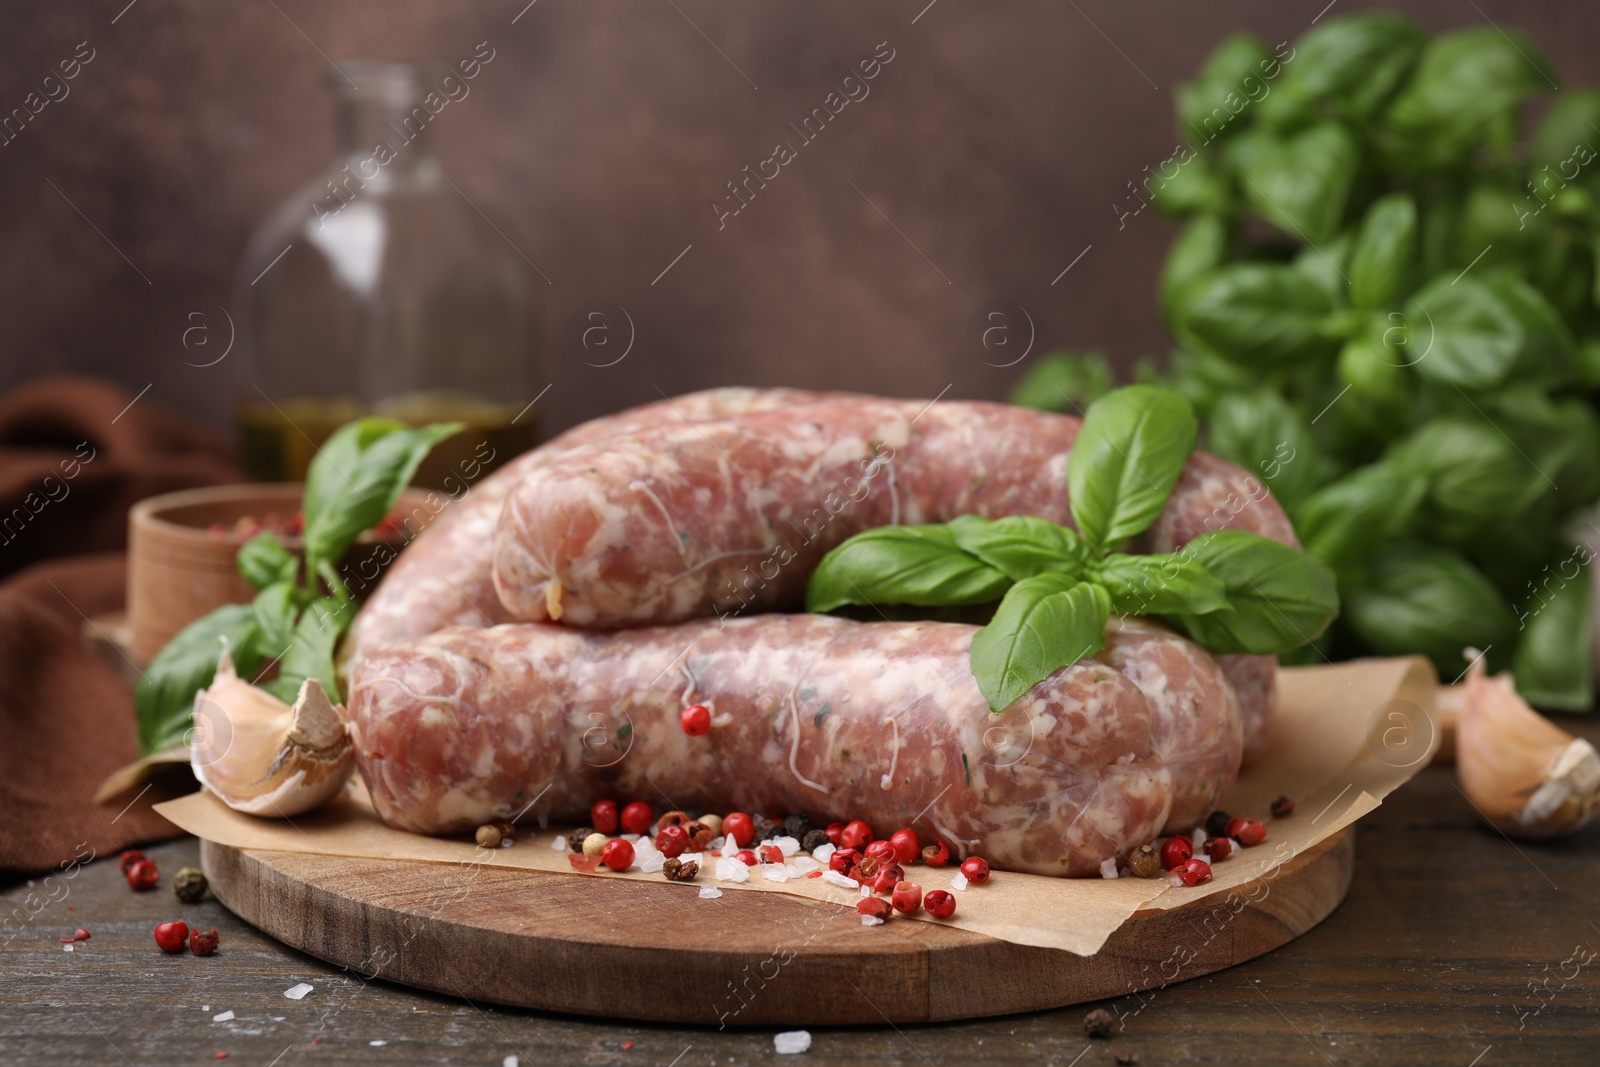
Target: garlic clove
[(1526, 776), (265, 757)]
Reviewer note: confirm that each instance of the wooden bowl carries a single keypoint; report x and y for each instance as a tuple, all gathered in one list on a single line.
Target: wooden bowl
[(179, 568)]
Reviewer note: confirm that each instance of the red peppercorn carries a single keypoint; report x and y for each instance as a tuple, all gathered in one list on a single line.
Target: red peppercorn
[(80, 934), (143, 876), (883, 851), (936, 854), (603, 817), (1219, 849), (867, 868), (672, 841), (696, 720), (204, 944), (887, 878), (844, 861), (1176, 850), (1248, 832), (1193, 872), (636, 818), (1282, 808), (129, 858), (769, 854), (618, 855), (746, 857), (906, 845), (940, 905), (876, 907), (740, 827), (171, 936), (855, 834), (975, 869), (834, 831), (906, 897)]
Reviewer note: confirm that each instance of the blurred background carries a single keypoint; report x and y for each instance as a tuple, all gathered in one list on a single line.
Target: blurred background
[(993, 152)]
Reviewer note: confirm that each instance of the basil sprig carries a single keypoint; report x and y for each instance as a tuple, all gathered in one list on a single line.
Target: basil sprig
[(1057, 587), (299, 613)]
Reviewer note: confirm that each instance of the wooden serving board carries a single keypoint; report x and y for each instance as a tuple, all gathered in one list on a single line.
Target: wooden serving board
[(655, 952)]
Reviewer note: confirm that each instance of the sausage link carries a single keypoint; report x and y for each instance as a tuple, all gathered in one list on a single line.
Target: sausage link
[(443, 578), (834, 718)]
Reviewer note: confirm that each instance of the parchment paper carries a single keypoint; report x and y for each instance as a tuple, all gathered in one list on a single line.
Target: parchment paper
[(1346, 735)]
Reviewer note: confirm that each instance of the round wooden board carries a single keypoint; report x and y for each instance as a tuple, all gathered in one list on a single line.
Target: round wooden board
[(562, 943)]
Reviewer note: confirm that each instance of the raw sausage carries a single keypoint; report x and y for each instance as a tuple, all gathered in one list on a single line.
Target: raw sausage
[(443, 577), (836, 718), (1196, 730)]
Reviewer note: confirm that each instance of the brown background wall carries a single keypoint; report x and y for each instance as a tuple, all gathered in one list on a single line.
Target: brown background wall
[(998, 141)]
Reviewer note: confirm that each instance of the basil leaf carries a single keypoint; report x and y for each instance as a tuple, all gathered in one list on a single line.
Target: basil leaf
[(186, 664), (1299, 183), (1384, 252), (1044, 623), (1159, 585), (1263, 315), (1217, 101), (1064, 381), (1353, 63), (1267, 436), (1280, 597), (1327, 264), (1347, 519), (275, 609), (263, 561), (1380, 387), (1560, 438), (1473, 333), (310, 650), (1566, 139), (378, 458), (1463, 95), (1128, 455), (1196, 187), (1554, 664), (918, 565), (1474, 473), (1021, 546), (1201, 248), (1424, 599)]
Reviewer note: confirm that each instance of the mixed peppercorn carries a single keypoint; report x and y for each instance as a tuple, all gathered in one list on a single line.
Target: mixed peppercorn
[(1217, 838)]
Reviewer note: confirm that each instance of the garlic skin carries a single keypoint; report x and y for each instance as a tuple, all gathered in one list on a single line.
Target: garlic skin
[(265, 757), (1526, 776)]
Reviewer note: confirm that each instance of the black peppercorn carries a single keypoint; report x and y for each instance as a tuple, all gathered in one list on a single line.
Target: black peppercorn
[(814, 840), (767, 830), (1098, 1023), (798, 826), (575, 839), (189, 885), (1217, 824), (678, 871)]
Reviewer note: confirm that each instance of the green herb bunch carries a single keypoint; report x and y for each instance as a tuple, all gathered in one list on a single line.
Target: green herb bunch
[(302, 606), (1384, 299), (1057, 587)]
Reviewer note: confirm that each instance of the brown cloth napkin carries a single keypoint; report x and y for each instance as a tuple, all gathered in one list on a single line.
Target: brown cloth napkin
[(73, 457)]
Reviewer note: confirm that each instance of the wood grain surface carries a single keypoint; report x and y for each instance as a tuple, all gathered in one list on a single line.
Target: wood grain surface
[(1447, 950), (556, 942)]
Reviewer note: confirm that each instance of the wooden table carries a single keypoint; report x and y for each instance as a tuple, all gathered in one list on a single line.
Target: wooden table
[(1451, 939)]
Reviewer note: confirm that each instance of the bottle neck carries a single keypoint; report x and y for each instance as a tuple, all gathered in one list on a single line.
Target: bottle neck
[(384, 126)]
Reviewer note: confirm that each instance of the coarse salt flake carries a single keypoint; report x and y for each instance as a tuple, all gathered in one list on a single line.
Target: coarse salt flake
[(787, 845), (822, 852), (692, 857), (871, 920), (866, 890), (803, 864), (731, 870), (791, 1041), (652, 862), (774, 872), (835, 878), (1108, 868), (959, 882), (298, 991), (1198, 838), (66, 948), (718, 842), (709, 892), (631, 838), (509, 1061), (222, 1017), (377, 1042), (559, 844)]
